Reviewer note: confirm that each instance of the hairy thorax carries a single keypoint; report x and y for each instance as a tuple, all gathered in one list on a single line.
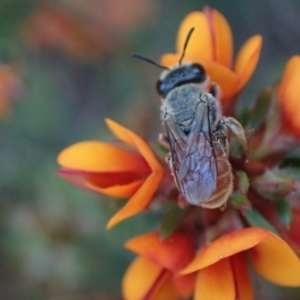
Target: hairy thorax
[(180, 105)]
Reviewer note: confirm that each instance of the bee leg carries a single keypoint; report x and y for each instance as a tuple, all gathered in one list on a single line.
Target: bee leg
[(214, 106), (237, 130), (221, 137), (181, 202), (215, 90), (169, 161), (164, 140)]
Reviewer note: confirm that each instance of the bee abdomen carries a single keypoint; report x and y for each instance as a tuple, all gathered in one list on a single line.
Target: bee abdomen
[(224, 185)]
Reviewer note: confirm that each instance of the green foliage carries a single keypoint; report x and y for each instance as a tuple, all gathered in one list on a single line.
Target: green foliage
[(171, 220), (255, 219), (284, 211)]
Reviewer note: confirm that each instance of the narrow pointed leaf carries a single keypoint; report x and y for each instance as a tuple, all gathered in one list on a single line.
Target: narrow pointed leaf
[(284, 211), (171, 221), (243, 181), (255, 219), (261, 109), (239, 200)]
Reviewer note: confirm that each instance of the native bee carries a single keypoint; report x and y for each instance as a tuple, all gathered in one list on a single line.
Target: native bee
[(196, 133)]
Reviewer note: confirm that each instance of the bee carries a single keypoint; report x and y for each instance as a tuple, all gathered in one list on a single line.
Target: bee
[(196, 133)]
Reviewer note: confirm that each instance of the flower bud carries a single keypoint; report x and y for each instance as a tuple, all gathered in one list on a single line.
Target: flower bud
[(274, 184)]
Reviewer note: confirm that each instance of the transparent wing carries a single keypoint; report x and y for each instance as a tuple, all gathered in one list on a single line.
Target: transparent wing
[(193, 159)]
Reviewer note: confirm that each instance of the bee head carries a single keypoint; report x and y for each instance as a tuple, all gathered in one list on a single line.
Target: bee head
[(180, 75)]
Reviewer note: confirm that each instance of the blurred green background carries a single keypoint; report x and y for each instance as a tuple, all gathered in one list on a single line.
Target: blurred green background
[(64, 67)]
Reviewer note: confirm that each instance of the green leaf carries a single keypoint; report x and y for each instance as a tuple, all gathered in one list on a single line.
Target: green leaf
[(243, 181), (261, 108), (162, 148), (239, 200), (255, 219), (284, 212), (171, 221), (293, 162), (245, 116)]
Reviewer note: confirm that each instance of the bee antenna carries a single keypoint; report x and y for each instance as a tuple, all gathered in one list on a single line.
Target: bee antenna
[(135, 55), (186, 43)]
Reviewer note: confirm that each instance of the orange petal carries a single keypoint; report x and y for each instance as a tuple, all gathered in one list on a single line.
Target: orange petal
[(185, 284), (164, 289), (172, 253), (94, 156), (289, 114), (290, 76), (122, 133), (140, 278), (139, 201), (120, 185), (247, 60), (200, 43), (288, 92), (225, 246), (216, 282), (135, 141), (242, 277), (274, 259), (222, 39), (170, 59), (118, 191), (293, 231), (223, 76)]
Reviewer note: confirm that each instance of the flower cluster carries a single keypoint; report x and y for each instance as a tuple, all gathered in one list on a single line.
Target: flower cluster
[(86, 30), (10, 88), (208, 252)]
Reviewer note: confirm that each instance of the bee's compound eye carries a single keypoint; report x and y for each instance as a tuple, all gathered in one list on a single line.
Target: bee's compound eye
[(160, 87), (199, 72)]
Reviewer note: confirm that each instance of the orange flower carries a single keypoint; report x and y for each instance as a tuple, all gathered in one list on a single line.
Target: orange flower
[(114, 170), (154, 275), (293, 231), (223, 264), (211, 45), (288, 94), (10, 88), (86, 29)]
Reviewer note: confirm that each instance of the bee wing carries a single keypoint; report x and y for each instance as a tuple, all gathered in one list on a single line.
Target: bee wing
[(193, 159)]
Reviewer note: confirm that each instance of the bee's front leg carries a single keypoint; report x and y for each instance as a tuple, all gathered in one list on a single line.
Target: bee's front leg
[(164, 140), (215, 90), (169, 161), (221, 137), (182, 203), (237, 130)]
